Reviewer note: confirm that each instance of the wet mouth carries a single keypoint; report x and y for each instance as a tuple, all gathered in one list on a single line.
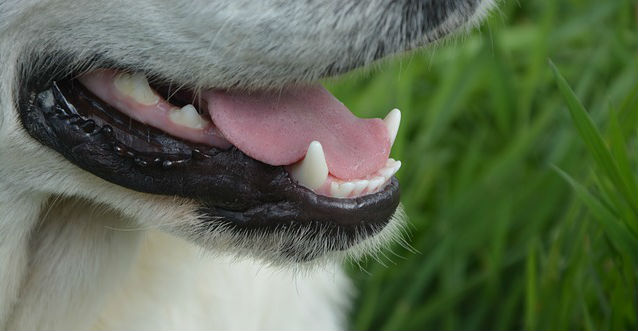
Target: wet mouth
[(295, 157)]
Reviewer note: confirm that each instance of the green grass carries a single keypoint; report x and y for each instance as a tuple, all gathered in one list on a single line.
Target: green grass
[(520, 185)]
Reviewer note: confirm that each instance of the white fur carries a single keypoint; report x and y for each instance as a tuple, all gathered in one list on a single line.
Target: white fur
[(77, 252)]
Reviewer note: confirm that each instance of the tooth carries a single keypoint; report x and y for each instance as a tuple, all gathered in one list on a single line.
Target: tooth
[(375, 183), (312, 171), (387, 172), (344, 190), (392, 121), (397, 166), (340, 189), (136, 86), (335, 190), (359, 186), (187, 116)]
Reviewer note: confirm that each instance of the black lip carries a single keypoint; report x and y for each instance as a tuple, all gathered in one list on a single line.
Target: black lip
[(230, 186)]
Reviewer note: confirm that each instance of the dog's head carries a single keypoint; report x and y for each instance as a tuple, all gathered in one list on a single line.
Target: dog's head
[(231, 144)]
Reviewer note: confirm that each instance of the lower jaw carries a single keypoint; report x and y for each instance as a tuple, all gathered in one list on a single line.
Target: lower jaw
[(230, 186)]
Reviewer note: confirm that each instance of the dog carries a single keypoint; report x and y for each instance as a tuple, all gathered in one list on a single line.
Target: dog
[(174, 164)]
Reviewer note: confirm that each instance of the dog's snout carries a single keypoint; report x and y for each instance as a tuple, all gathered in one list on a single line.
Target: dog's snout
[(256, 44)]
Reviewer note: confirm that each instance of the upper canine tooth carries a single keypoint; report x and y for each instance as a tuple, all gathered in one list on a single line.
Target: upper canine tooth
[(136, 86), (392, 122), (312, 171), (187, 116)]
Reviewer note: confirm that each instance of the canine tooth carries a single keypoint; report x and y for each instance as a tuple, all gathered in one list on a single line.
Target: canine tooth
[(359, 186), (187, 116), (136, 86), (392, 122), (312, 171)]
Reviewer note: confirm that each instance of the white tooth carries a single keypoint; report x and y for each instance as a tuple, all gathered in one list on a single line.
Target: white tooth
[(359, 186), (312, 171), (345, 189), (340, 189), (136, 86), (336, 190), (387, 172), (392, 121), (391, 167), (375, 183), (187, 116), (396, 167)]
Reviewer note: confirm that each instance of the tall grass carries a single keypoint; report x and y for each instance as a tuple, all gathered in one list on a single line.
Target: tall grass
[(521, 185)]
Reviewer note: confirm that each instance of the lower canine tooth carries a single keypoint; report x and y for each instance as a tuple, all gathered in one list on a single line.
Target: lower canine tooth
[(312, 171), (136, 86), (187, 116)]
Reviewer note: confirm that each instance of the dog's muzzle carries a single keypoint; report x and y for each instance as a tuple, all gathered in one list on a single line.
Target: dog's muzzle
[(234, 189)]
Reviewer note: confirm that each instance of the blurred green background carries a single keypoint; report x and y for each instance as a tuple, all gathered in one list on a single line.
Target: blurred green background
[(524, 215)]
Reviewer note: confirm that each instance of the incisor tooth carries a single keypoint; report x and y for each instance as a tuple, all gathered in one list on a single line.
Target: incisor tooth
[(335, 190), (375, 183), (312, 171), (136, 86), (187, 116), (397, 166), (343, 190), (392, 122), (359, 186), (386, 172)]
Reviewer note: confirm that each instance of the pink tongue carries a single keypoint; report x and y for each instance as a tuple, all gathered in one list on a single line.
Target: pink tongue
[(276, 128)]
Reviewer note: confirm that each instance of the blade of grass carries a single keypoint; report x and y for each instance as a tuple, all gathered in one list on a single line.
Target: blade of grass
[(531, 290), (594, 142), (619, 235)]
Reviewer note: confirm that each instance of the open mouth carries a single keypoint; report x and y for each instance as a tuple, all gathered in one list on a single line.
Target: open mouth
[(281, 128), (254, 160)]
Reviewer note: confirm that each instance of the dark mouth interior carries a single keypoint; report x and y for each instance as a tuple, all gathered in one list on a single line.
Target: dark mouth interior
[(180, 96), (141, 143)]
